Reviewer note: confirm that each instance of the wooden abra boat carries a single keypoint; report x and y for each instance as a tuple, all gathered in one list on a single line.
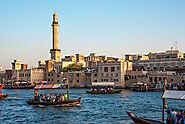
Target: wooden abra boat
[(103, 92), (70, 102), (2, 96), (139, 120)]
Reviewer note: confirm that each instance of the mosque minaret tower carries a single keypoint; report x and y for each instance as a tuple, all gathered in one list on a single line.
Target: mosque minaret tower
[(55, 51)]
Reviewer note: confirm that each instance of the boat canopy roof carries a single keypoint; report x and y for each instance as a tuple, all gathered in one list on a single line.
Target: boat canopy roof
[(174, 94), (46, 86), (102, 83)]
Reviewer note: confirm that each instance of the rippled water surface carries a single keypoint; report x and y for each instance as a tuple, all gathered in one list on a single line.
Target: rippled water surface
[(94, 108)]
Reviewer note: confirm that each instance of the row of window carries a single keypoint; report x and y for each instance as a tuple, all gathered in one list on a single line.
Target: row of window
[(52, 75), (110, 74), (135, 77), (103, 80), (111, 69), (52, 80)]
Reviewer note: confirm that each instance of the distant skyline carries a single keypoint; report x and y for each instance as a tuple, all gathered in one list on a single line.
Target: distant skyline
[(106, 27)]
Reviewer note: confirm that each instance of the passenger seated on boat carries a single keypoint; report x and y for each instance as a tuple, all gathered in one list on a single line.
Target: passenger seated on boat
[(183, 117), (53, 97), (42, 97), (57, 98), (62, 97), (65, 96), (179, 117), (47, 97), (169, 119), (174, 116)]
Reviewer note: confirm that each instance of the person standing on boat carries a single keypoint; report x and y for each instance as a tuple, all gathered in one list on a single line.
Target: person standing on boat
[(36, 94)]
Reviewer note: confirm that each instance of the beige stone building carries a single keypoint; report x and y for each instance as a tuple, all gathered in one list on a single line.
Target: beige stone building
[(29, 75), (114, 71), (166, 55), (54, 77)]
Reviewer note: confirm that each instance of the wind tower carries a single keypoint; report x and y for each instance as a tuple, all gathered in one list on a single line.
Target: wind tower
[(55, 51)]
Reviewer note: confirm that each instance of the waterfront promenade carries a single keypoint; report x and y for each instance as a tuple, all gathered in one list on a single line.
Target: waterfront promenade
[(94, 108)]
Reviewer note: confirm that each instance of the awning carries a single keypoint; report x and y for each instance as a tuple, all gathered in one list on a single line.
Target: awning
[(174, 94), (102, 83)]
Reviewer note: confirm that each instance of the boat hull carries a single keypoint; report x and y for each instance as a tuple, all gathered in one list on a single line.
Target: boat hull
[(3, 96), (139, 120), (102, 92), (72, 102)]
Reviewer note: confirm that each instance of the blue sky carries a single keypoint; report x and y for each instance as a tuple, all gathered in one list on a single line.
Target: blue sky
[(107, 27)]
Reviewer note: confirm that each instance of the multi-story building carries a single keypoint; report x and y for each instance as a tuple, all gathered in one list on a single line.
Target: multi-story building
[(114, 71), (136, 57), (166, 55), (6, 76), (29, 75), (162, 64), (54, 77)]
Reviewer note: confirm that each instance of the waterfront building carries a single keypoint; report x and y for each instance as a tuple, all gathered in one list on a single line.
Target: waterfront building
[(76, 78), (113, 71), (6, 75), (136, 57), (29, 75), (162, 64), (166, 55), (53, 77)]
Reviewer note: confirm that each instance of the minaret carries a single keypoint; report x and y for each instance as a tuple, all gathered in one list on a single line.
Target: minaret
[(55, 51)]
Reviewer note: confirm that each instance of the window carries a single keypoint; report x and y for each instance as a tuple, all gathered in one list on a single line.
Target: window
[(172, 80), (58, 75), (105, 69), (48, 74), (151, 79), (112, 69), (95, 75), (100, 68), (160, 78), (155, 79), (77, 80), (77, 75), (58, 81), (117, 68)]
